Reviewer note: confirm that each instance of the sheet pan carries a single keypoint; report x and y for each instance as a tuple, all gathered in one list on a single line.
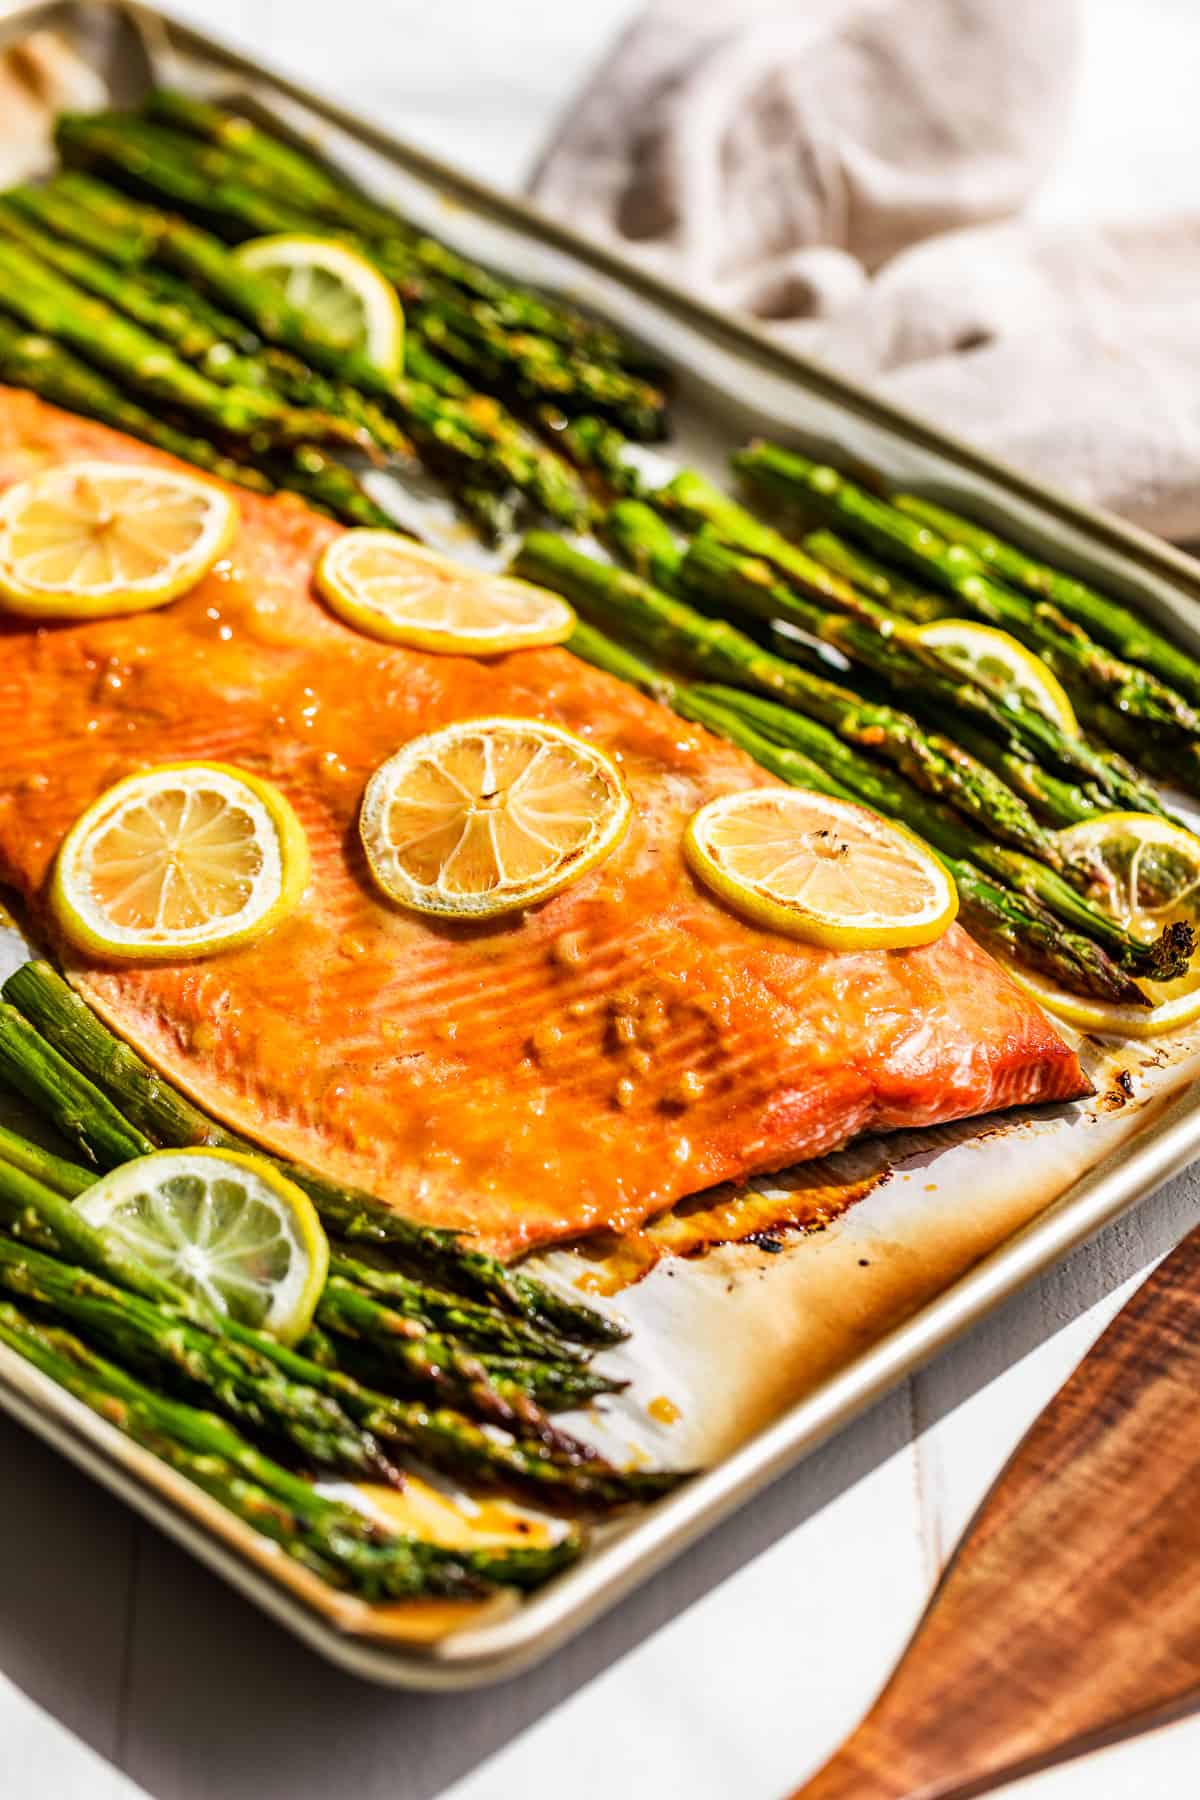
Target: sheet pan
[(760, 1355)]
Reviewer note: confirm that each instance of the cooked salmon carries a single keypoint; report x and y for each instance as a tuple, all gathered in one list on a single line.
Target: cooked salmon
[(584, 1064)]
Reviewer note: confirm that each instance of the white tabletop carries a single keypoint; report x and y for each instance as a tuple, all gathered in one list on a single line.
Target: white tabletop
[(127, 1668)]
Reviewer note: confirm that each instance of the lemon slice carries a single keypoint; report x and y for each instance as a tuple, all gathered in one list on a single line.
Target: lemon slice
[(820, 869), (336, 289), (177, 862), (389, 587), (997, 659), (89, 539), (489, 816), (1146, 875), (227, 1227)]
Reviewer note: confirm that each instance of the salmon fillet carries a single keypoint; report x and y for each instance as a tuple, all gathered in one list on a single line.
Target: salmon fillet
[(582, 1065)]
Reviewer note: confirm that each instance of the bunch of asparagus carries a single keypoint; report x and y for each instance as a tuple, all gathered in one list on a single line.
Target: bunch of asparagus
[(125, 302), (421, 1347), (964, 761)]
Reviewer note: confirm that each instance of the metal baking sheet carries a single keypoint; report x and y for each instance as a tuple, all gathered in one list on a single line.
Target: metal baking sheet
[(760, 1356)]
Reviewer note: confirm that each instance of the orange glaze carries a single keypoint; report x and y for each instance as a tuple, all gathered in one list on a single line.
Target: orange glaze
[(583, 1065)]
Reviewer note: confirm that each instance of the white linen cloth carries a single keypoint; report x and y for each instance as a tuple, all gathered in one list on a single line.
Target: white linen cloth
[(857, 174)]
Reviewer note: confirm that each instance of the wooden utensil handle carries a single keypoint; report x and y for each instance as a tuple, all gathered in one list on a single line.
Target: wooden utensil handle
[(1070, 1613)]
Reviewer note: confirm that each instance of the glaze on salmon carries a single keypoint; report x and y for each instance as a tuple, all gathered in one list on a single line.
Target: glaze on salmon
[(583, 1065)]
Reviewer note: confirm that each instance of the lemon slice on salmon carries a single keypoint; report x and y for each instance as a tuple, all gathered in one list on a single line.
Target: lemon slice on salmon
[(226, 1227), (387, 586), (1146, 875), (90, 539), (336, 289), (489, 816), (823, 870), (996, 658), (180, 861)]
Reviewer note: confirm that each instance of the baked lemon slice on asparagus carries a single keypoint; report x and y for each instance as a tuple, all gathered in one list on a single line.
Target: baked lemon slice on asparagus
[(388, 587), (993, 657), (1146, 874), (180, 861), (336, 289), (226, 1227), (90, 539), (489, 816), (823, 870)]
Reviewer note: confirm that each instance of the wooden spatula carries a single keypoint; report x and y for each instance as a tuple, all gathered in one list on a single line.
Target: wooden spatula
[(1070, 1614)]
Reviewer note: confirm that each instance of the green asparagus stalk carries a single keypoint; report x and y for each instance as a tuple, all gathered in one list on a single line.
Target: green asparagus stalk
[(1106, 619), (499, 1384), (717, 575), (464, 442), (423, 1363), (678, 633), (1002, 915), (235, 1379), (42, 299), (321, 191), (861, 631), (596, 447), (166, 1118), (38, 363), (483, 1328), (805, 754), (224, 191), (932, 762), (711, 647), (875, 579), (1102, 776), (940, 686), (74, 1105), (694, 704), (32, 1210), (31, 361), (1125, 705), (335, 1541), (236, 193), (192, 336), (61, 1176)]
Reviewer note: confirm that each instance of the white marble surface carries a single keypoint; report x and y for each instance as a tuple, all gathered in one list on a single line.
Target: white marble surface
[(127, 1668)]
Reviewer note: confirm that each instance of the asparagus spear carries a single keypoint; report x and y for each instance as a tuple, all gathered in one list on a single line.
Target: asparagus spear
[(484, 1328), (44, 1165), (194, 337), (1101, 776), (1125, 705), (875, 578), (65, 1022), (74, 1105), (223, 190), (322, 191), (1122, 629), (335, 1541), (861, 631), (38, 363), (717, 575), (40, 297), (466, 444), (872, 577), (806, 754), (32, 361), (230, 1376), (435, 1365), (240, 195), (30, 1208), (678, 633), (594, 446), (931, 761)]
